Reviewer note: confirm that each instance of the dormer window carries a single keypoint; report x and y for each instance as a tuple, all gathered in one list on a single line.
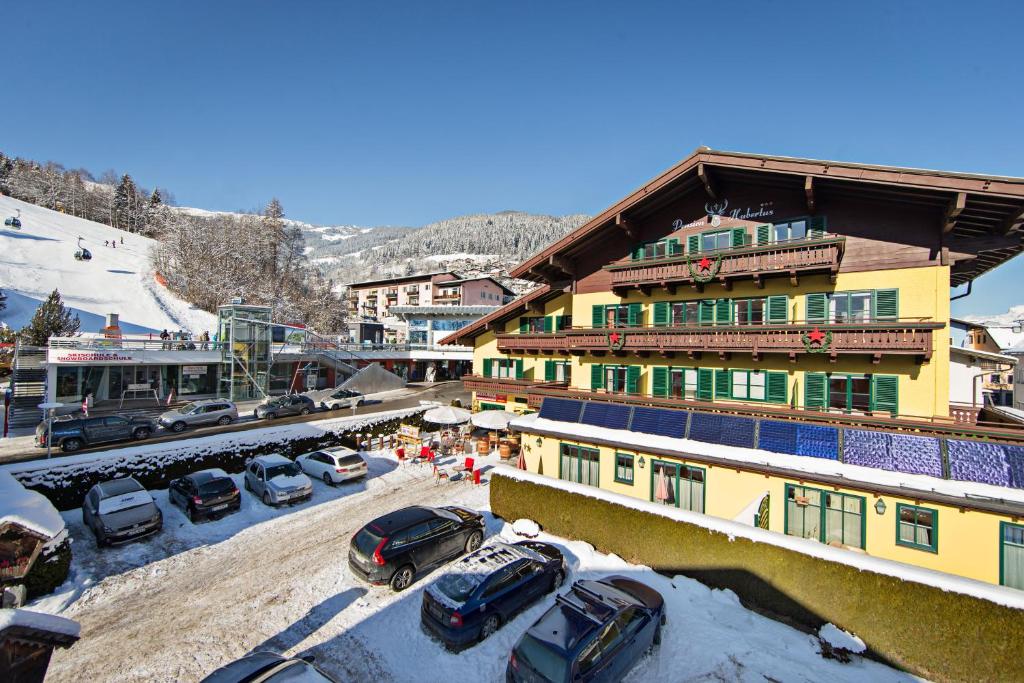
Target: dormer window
[(660, 249)]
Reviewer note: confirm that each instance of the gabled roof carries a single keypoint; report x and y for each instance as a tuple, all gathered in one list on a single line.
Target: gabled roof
[(398, 280), (449, 283), (975, 205), (503, 314)]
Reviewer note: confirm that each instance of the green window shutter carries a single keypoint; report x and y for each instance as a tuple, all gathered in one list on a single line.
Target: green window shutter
[(816, 227), (705, 382), (887, 304), (598, 319), (723, 384), (777, 309), (524, 325), (549, 371), (548, 324), (739, 237), (636, 315), (596, 377), (559, 322), (487, 367), (662, 309), (723, 311), (764, 233), (674, 247), (817, 307), (633, 379), (885, 393), (776, 385), (519, 368), (638, 252), (815, 388), (659, 381), (706, 311), (693, 244)]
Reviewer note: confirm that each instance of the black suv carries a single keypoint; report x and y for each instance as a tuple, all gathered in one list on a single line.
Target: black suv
[(597, 631), (72, 434), (206, 493), (392, 549)]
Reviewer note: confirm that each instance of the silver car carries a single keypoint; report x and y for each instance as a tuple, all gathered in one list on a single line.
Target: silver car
[(342, 398), (276, 480), (198, 413), (120, 510)]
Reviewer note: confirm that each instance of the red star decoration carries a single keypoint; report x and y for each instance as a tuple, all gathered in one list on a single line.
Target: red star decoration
[(613, 337), (816, 335), (704, 263)]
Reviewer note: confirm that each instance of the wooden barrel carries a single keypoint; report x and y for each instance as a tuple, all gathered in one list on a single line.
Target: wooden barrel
[(505, 451), (482, 447)]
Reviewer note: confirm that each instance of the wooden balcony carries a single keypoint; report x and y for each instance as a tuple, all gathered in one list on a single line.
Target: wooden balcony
[(784, 259), (507, 385), (832, 340)]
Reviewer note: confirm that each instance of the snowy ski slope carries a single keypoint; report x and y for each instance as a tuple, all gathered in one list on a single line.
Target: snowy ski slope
[(40, 257)]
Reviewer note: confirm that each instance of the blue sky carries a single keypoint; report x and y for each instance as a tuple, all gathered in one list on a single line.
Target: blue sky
[(404, 113)]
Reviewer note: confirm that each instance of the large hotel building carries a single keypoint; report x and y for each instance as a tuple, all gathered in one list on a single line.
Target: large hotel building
[(769, 337)]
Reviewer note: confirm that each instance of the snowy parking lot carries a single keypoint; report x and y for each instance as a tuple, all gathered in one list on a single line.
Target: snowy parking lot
[(194, 597)]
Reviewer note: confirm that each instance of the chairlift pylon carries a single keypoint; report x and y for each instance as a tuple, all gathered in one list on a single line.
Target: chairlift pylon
[(82, 254)]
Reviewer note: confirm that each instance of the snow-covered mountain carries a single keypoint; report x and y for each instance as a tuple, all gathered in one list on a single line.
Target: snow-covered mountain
[(40, 258), (1001, 326)]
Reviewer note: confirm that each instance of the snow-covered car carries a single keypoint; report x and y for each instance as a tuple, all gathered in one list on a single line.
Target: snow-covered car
[(275, 480), (198, 413), (485, 589), (282, 406), (342, 398), (205, 494), (120, 510), (333, 466), (269, 667)]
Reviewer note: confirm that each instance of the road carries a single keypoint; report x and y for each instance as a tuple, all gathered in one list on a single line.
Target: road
[(21, 449)]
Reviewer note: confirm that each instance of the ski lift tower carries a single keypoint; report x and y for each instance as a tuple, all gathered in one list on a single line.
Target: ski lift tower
[(246, 344)]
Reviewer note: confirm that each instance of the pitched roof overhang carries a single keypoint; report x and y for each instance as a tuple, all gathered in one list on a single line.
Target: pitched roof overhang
[(986, 210), (510, 310)]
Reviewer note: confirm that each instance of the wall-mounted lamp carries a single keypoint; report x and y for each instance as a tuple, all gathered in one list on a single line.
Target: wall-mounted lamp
[(642, 462), (540, 442), (880, 506)]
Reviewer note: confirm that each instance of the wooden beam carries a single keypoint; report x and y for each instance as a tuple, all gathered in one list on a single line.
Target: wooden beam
[(1011, 223), (956, 207), (809, 191), (705, 178), (563, 264), (626, 225)]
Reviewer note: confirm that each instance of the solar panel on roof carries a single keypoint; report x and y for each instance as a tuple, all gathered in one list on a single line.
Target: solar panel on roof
[(671, 423), (561, 409), (607, 415)]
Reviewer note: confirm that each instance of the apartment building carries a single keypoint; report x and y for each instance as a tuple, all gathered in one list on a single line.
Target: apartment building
[(373, 298)]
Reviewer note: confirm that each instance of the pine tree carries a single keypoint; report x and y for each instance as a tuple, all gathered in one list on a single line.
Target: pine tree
[(6, 168), (3, 301), (125, 204), (51, 319)]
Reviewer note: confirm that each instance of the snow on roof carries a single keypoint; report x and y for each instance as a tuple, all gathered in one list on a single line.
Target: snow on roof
[(466, 574), (1002, 595), (28, 508), (989, 355), (273, 459), (39, 621), (833, 468)]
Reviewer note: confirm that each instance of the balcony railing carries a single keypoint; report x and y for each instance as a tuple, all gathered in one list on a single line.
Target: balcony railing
[(833, 339), (791, 258), (507, 385)]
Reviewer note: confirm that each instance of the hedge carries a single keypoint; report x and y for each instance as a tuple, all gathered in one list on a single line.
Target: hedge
[(941, 635), (65, 485), (49, 571)]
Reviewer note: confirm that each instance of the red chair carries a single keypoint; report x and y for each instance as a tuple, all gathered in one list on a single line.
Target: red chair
[(468, 465), (476, 477), (431, 455), (400, 453), (425, 451)]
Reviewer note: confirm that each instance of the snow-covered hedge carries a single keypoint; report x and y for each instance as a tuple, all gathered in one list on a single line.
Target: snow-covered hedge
[(50, 570), (65, 481), (913, 618)]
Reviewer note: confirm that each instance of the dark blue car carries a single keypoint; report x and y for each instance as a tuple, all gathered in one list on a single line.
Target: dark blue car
[(484, 590), (596, 632)]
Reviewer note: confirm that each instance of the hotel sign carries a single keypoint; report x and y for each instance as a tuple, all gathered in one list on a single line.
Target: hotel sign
[(717, 210)]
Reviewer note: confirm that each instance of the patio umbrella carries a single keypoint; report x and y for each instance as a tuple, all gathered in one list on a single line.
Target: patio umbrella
[(447, 415), (661, 492), (493, 419), (521, 461)]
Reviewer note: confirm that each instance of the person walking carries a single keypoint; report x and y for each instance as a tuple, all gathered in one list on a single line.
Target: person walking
[(205, 339), (165, 336)]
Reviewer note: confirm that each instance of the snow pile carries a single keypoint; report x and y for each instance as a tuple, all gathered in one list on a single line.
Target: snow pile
[(40, 258), (840, 639), (124, 502), (37, 620), (27, 508), (526, 528), (1001, 595)]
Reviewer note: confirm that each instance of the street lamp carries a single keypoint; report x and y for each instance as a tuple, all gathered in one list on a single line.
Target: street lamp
[(49, 407)]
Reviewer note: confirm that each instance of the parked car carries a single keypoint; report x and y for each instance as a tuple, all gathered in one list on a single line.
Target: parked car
[(276, 480), (269, 667), (485, 589), (281, 406), (120, 510), (333, 466), (206, 493), (392, 549), (73, 433), (597, 631), (197, 413), (342, 398)]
